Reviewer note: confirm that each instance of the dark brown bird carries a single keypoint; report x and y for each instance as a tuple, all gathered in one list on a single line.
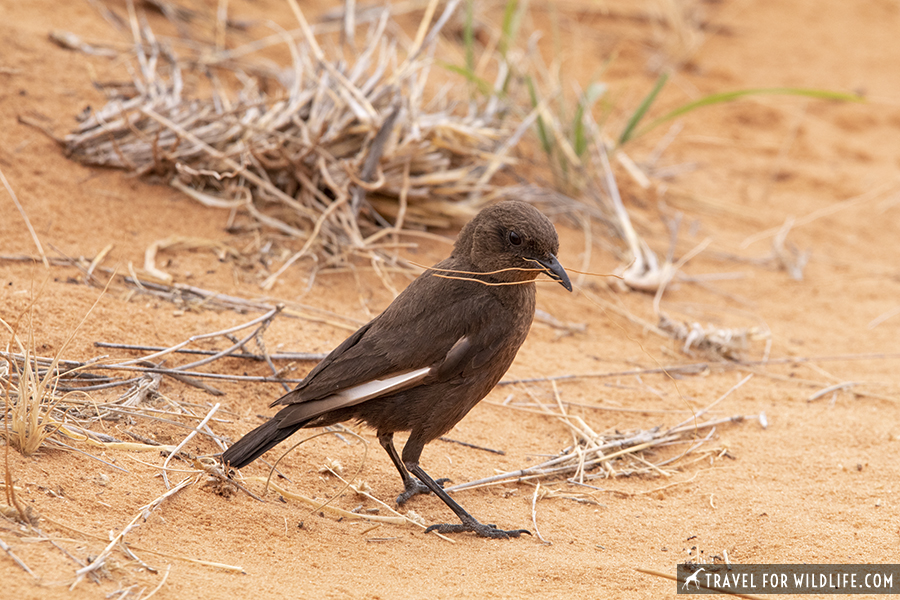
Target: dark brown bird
[(433, 354)]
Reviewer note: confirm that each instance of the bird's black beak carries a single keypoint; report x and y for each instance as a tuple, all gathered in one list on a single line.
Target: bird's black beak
[(555, 271)]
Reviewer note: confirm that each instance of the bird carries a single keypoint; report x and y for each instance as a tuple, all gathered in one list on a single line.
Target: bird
[(432, 355)]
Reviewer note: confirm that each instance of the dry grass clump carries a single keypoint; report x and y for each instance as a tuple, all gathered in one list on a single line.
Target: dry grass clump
[(29, 396), (339, 149)]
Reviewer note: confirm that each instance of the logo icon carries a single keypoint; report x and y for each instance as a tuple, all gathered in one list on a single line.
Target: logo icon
[(692, 578)]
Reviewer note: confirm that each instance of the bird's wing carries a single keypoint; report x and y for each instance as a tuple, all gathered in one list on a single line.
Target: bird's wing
[(411, 335), (435, 330)]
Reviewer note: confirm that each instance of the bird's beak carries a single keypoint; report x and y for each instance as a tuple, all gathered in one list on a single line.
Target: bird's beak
[(555, 271)]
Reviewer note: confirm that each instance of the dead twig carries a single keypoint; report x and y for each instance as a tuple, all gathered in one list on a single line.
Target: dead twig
[(185, 441), (5, 547)]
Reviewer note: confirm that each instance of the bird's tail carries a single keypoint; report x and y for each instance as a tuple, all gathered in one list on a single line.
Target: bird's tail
[(257, 442)]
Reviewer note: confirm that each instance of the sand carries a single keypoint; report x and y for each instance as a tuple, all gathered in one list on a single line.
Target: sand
[(817, 484)]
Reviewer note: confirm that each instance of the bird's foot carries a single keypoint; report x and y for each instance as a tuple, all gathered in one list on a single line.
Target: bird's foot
[(414, 487), (486, 530)]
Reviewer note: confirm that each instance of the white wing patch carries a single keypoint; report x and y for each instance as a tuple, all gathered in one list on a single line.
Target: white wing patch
[(380, 387), (366, 391)]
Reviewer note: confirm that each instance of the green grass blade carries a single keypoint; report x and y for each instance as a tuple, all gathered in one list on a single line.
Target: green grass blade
[(737, 94), (642, 109), (485, 88), (543, 135), (510, 26), (579, 140), (469, 35)]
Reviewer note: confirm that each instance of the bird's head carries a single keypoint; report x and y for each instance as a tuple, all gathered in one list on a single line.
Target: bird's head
[(512, 235)]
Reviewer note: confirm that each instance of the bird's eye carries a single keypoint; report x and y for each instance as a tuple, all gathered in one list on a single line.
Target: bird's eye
[(514, 238)]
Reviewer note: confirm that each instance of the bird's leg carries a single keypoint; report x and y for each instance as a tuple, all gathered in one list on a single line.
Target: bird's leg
[(411, 485), (469, 523), (411, 453)]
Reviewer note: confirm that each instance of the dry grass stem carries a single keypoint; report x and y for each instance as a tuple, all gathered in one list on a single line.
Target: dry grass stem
[(833, 389), (31, 231), (5, 547), (884, 317), (360, 488), (534, 499), (186, 440)]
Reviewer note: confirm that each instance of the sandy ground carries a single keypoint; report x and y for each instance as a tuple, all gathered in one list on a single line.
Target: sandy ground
[(818, 485)]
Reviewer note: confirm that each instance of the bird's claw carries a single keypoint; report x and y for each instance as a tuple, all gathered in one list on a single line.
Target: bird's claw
[(414, 487), (485, 530)]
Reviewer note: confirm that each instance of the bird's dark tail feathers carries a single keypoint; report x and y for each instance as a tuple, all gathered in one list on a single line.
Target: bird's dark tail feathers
[(257, 442)]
